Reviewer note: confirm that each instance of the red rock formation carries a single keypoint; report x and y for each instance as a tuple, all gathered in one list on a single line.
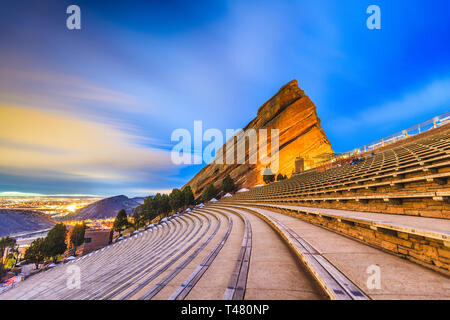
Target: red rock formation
[(294, 115)]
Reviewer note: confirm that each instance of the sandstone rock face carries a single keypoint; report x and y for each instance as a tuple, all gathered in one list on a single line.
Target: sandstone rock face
[(294, 115)]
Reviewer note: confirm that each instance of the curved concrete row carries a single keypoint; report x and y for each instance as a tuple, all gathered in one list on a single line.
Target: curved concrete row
[(161, 284), (234, 251), (109, 267), (238, 281), (193, 279), (134, 289), (49, 280), (376, 273), (334, 283), (273, 271)]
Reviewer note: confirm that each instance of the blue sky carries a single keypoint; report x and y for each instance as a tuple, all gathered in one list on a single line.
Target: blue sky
[(91, 111)]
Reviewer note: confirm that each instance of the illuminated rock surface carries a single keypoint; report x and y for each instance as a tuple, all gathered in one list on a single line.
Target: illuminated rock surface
[(300, 134)]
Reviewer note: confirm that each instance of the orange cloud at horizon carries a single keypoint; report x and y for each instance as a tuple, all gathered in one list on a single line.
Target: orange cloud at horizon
[(38, 141)]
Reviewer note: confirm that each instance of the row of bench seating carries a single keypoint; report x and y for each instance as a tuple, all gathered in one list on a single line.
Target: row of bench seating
[(400, 178), (114, 270), (184, 289)]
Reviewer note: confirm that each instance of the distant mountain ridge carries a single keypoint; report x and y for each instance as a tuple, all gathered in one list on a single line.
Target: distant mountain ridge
[(14, 221), (139, 199), (105, 208)]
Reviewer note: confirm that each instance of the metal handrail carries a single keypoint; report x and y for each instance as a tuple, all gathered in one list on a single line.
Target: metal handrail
[(417, 129)]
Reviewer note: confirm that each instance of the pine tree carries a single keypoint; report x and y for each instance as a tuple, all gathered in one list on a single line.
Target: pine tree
[(268, 176), (35, 252), (138, 218), (165, 205), (121, 222), (176, 199), (188, 196), (228, 184), (77, 235), (209, 193), (55, 241), (149, 210)]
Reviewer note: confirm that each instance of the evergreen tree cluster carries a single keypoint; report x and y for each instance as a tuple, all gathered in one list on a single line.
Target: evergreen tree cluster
[(228, 184), (53, 245), (77, 235), (209, 193), (268, 178), (121, 222), (162, 205)]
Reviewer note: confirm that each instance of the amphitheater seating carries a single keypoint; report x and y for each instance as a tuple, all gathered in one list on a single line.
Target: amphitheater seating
[(411, 179), (314, 236), (396, 200), (229, 251)]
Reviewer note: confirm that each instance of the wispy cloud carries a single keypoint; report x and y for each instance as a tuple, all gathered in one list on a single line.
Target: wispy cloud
[(66, 146), (46, 89)]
